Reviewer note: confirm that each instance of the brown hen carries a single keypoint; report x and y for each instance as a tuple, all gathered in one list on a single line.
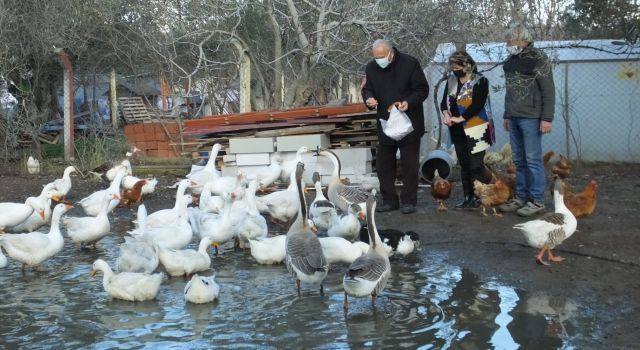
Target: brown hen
[(440, 190), (491, 195), (582, 204), (133, 195), (559, 166)]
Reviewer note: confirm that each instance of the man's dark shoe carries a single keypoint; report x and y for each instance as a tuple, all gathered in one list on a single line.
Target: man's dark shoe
[(464, 204), (386, 207), (474, 203), (408, 208)]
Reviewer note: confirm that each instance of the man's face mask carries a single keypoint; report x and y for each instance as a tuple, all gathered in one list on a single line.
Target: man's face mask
[(514, 49), (384, 61)]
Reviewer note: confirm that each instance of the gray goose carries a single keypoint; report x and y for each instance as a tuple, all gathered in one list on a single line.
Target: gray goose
[(343, 196), (368, 274), (304, 257)]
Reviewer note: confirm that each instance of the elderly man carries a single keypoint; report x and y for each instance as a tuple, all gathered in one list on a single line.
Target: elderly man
[(393, 77), (528, 113)]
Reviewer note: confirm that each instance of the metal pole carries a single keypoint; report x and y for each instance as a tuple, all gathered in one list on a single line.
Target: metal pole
[(565, 110), (114, 99)]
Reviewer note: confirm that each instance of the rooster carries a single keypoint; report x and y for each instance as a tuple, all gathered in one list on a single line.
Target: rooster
[(440, 190), (582, 204), (133, 195), (491, 195)]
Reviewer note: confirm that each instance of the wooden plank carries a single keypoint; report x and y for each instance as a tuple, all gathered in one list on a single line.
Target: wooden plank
[(307, 129)]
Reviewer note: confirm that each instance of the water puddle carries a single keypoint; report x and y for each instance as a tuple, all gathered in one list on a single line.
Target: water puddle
[(426, 305)]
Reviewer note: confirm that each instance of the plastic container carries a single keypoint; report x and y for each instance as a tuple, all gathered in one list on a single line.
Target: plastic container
[(436, 160)]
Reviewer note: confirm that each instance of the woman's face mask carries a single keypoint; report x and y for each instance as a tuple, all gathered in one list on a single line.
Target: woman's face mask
[(458, 73), (384, 61), (514, 49)]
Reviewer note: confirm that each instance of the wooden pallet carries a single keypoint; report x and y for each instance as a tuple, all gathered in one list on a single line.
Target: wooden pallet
[(135, 110)]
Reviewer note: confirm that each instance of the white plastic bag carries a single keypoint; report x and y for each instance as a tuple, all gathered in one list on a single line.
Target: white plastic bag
[(398, 125)]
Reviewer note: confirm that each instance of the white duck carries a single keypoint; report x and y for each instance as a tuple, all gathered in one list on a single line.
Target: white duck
[(304, 258), (12, 214), (249, 224), (340, 194), (35, 221), (175, 235), (149, 187), (369, 273), (33, 166), (201, 289), (552, 229), (91, 229), (93, 203), (63, 185), (186, 261), (170, 216), (129, 286), (208, 173), (268, 250), (346, 225), (339, 250), (321, 209), (282, 206), (35, 247)]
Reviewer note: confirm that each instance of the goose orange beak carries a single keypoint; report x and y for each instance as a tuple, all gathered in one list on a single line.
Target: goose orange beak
[(93, 273)]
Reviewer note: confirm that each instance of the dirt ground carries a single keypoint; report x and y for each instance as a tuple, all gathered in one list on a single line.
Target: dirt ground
[(602, 270)]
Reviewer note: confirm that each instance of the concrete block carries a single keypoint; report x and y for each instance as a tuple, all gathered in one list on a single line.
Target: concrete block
[(251, 145), (293, 143), (244, 159)]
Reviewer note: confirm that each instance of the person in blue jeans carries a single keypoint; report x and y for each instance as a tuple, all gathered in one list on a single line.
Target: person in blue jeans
[(528, 114)]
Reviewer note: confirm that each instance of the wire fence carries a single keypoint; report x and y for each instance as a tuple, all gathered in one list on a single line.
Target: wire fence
[(597, 108)]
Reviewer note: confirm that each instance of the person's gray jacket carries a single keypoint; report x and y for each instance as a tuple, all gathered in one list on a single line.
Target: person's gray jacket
[(530, 88)]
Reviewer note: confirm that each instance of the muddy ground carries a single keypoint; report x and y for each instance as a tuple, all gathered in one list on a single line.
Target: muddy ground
[(602, 270)]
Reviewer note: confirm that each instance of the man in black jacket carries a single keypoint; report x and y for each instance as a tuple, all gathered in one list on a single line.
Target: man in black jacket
[(396, 78)]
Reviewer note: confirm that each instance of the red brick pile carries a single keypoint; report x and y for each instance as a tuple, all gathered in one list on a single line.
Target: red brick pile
[(153, 140)]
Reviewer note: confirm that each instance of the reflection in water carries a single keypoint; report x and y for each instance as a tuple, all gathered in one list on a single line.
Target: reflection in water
[(426, 304)]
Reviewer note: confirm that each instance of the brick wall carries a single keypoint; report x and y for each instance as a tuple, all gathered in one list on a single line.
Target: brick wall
[(152, 139)]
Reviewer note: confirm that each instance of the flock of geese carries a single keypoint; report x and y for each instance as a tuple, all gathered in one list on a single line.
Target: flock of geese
[(328, 231)]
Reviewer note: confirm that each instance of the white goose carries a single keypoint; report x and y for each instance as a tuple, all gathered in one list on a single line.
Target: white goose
[(12, 214), (93, 203), (208, 202), (227, 183), (129, 286), (218, 228), (107, 171), (186, 261), (201, 289), (91, 229), (33, 166), (35, 247), (346, 225), (3, 259), (304, 258), (211, 162), (282, 206), (174, 235), (369, 273), (149, 187), (249, 224), (35, 221), (289, 166), (552, 229), (208, 173), (339, 250), (270, 174), (170, 216), (63, 185), (268, 250), (341, 195), (137, 255), (320, 210)]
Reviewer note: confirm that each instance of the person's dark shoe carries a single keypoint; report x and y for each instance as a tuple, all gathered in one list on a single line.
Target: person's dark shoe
[(386, 207), (464, 204), (408, 208), (474, 203)]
